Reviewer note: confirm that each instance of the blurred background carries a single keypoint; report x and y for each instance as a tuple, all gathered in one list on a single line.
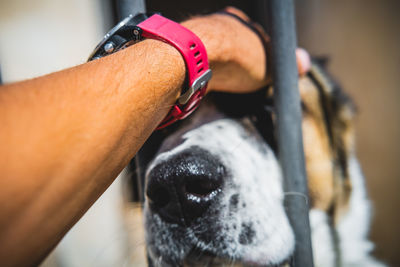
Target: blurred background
[(360, 37)]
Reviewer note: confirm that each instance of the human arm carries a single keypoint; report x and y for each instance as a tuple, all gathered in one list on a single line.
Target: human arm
[(66, 136)]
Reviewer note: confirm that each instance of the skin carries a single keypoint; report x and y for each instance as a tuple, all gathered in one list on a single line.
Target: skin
[(65, 136)]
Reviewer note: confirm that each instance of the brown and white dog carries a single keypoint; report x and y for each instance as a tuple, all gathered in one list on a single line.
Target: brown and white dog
[(214, 193)]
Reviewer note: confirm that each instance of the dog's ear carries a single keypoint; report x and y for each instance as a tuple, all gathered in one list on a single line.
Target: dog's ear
[(328, 132)]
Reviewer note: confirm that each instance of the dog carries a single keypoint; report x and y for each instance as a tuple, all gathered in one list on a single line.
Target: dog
[(214, 191), (213, 187)]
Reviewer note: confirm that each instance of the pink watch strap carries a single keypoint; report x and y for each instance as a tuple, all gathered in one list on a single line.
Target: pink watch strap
[(195, 56)]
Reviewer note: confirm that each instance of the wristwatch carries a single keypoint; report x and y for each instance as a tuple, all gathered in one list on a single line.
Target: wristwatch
[(134, 29)]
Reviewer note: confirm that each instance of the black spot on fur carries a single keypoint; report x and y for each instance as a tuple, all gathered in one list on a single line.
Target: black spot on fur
[(247, 234), (233, 203)]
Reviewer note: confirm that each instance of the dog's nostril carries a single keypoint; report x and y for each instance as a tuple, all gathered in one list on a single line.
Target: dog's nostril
[(158, 195), (200, 187)]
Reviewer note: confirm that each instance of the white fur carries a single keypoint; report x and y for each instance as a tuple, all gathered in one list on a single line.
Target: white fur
[(256, 178), (322, 239), (354, 226), (352, 229)]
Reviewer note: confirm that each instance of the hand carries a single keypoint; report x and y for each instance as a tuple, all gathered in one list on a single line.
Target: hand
[(236, 54)]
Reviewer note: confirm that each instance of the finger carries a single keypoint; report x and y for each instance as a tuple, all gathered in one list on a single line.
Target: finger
[(261, 31), (303, 61)]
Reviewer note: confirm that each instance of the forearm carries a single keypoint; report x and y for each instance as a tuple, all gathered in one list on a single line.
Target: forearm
[(66, 136)]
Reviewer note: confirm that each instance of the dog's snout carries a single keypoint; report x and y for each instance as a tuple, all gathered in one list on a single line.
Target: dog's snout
[(182, 188)]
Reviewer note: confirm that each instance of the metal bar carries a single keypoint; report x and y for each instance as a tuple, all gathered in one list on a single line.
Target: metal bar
[(127, 7), (290, 140)]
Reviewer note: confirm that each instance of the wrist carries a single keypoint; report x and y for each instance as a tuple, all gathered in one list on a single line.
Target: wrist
[(134, 29)]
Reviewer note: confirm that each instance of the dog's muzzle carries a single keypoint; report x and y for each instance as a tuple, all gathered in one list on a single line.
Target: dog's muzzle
[(182, 188)]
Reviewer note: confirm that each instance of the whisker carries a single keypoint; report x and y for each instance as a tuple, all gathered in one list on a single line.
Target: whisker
[(237, 145)]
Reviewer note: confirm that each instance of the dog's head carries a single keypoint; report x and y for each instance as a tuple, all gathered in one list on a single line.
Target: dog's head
[(214, 189)]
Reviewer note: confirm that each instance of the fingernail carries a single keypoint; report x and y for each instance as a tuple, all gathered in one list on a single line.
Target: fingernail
[(303, 61)]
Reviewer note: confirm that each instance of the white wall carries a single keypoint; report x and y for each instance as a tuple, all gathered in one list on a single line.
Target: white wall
[(42, 36)]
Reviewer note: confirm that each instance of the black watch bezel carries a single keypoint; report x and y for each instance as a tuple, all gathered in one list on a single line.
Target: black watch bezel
[(122, 35)]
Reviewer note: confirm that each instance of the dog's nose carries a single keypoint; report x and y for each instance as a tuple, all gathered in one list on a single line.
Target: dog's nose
[(182, 188)]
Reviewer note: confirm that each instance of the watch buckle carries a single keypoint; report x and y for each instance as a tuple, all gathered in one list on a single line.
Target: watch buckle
[(198, 84)]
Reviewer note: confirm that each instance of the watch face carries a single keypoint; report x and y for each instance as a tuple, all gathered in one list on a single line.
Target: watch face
[(124, 34)]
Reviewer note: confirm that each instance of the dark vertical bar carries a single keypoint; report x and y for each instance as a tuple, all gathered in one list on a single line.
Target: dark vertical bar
[(290, 140), (127, 7)]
